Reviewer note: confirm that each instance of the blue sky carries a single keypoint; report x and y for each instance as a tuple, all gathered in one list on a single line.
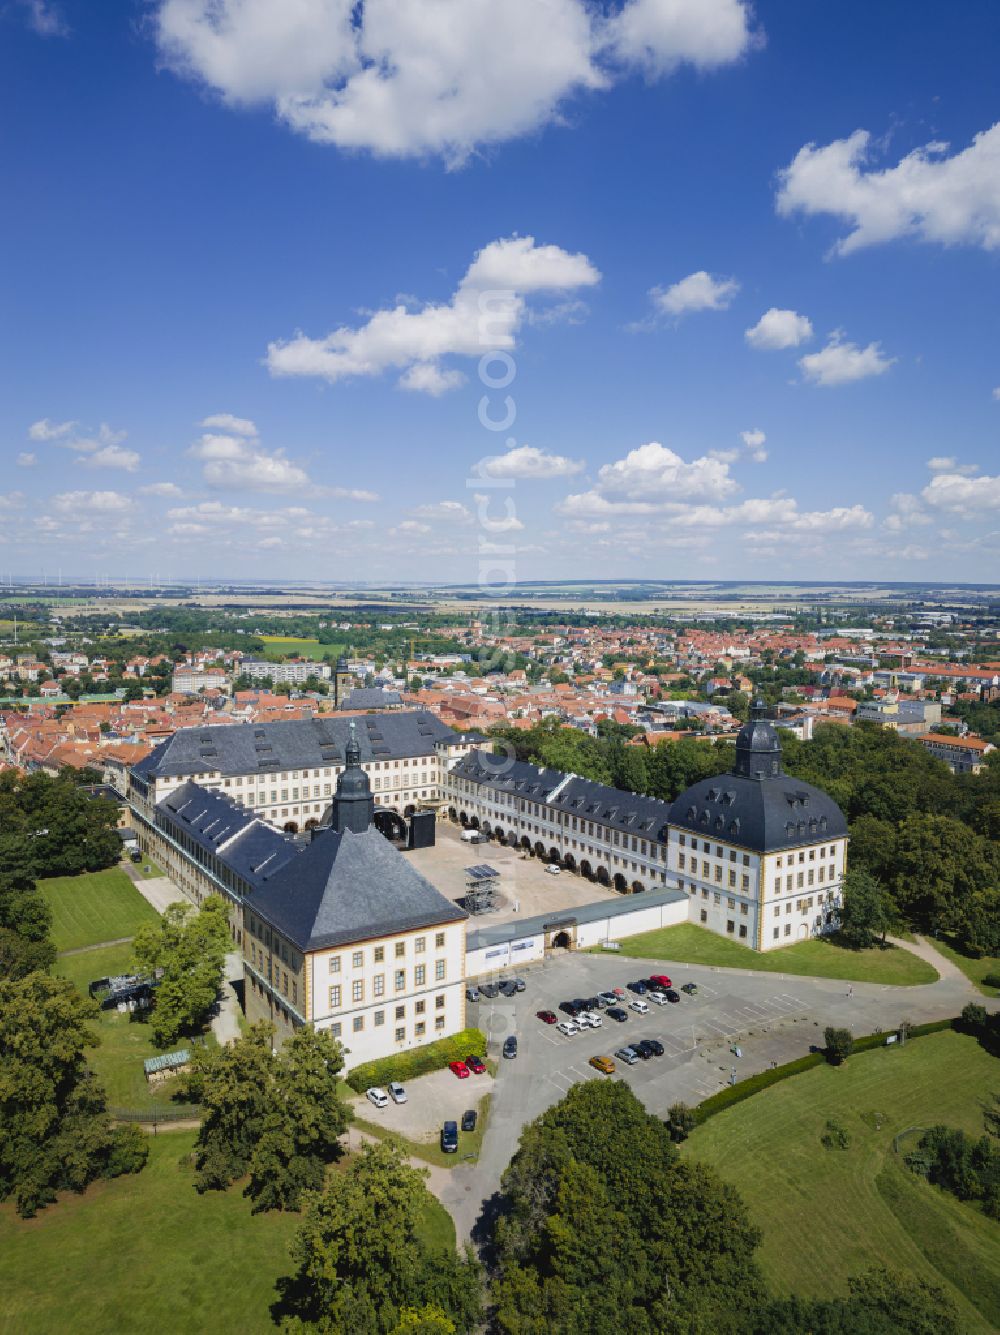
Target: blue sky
[(241, 300)]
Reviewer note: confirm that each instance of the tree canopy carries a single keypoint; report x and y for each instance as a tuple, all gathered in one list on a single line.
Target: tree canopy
[(55, 1133), (190, 946)]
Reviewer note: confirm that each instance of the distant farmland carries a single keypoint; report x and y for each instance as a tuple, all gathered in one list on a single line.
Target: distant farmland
[(288, 646)]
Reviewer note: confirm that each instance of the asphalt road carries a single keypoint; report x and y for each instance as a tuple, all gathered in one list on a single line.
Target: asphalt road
[(770, 1017)]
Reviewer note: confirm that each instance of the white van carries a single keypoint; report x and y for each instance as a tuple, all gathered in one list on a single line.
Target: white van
[(471, 837), (639, 1007)]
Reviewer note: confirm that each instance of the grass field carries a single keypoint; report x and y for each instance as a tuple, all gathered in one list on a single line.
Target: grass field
[(148, 1254), (139, 869), (974, 970), (691, 944), (125, 1041), (287, 646), (827, 1214), (93, 907)]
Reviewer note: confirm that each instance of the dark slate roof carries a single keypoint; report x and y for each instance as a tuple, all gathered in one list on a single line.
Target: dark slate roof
[(350, 887), (221, 826), (242, 748), (370, 697), (631, 813), (763, 814)]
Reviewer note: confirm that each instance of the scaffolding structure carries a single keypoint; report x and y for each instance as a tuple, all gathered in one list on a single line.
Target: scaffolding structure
[(481, 889)]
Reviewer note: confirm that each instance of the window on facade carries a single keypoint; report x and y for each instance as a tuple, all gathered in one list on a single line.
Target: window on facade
[(744, 909), (400, 949), (336, 1029), (439, 1003), (357, 959), (743, 929), (379, 1018), (378, 984), (439, 940), (745, 882), (776, 932), (730, 926), (704, 915), (335, 964), (379, 954), (420, 1029), (400, 1034), (358, 1023), (420, 975), (439, 1022), (732, 878), (788, 929), (439, 970), (730, 902), (334, 998), (399, 979), (420, 944), (358, 990)]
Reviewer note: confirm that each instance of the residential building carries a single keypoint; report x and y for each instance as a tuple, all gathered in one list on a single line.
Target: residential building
[(962, 755), (295, 673)]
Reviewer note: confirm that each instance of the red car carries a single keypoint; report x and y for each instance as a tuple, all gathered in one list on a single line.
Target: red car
[(460, 1069), (660, 980), (547, 1017), (476, 1065)]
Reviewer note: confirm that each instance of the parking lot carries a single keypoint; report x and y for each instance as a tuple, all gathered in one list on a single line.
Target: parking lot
[(430, 1101), (771, 1018)]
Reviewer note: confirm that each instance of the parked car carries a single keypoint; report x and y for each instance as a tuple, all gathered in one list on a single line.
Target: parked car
[(616, 1013), (553, 869), (604, 1064), (449, 1137), (135, 854), (469, 1118), (642, 1049), (547, 1017), (655, 1046), (508, 988), (377, 1096), (596, 1020), (639, 1007), (472, 837), (607, 998), (519, 984), (489, 990), (581, 1003), (510, 1046), (460, 1069), (476, 1064), (627, 1056), (396, 1092), (472, 994), (657, 998), (570, 1008), (671, 995), (568, 1027), (660, 980), (638, 987), (689, 988)]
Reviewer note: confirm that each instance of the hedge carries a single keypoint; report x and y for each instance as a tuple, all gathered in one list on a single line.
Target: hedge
[(408, 1065), (733, 1094)]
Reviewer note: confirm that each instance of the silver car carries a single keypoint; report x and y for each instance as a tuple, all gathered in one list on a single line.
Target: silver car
[(627, 1056), (396, 1092)]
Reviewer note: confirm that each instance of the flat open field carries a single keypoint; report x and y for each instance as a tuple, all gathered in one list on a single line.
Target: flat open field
[(94, 907), (692, 944), (828, 1214), (287, 646), (148, 1254)]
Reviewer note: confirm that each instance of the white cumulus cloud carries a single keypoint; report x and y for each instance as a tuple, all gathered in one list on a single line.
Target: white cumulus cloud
[(961, 494), (697, 292), (412, 77), (111, 456), (929, 194), (779, 329), (490, 302), (842, 362), (240, 463), (82, 503), (236, 426), (161, 489), (653, 470), (754, 441), (530, 463), (46, 430)]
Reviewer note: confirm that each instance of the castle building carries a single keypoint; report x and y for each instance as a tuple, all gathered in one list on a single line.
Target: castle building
[(762, 855)]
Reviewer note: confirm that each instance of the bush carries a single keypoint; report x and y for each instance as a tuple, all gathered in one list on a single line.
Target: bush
[(835, 1136), (681, 1121), (408, 1065), (992, 979), (839, 1045)]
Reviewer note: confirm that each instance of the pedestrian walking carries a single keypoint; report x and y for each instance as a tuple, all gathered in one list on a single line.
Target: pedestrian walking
[(850, 990)]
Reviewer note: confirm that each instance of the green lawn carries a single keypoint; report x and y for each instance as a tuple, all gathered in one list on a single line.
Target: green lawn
[(93, 907), (148, 1254), (139, 869), (690, 944), (827, 1214), (280, 646), (125, 1041), (974, 970)]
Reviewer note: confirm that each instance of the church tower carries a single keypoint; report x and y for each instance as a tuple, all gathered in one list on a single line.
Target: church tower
[(353, 806), (343, 682)]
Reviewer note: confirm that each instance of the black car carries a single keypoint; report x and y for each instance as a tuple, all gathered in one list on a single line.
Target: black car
[(581, 1003), (654, 1045), (616, 1013), (638, 987), (593, 1003), (510, 1046), (489, 990), (671, 995), (643, 1049), (469, 1120), (449, 1137), (508, 987), (570, 1008)]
